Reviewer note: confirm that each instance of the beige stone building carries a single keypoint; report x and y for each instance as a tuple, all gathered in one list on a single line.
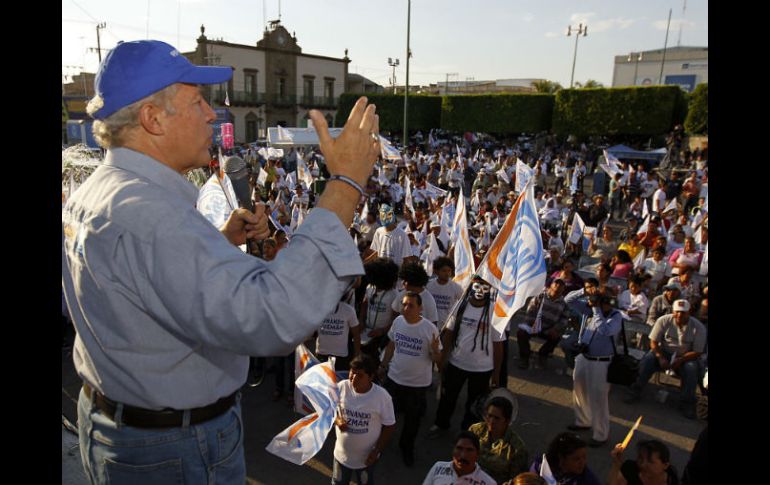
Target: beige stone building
[(685, 66), (273, 83)]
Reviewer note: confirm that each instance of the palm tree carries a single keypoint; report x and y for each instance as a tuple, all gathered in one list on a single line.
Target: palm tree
[(545, 86), (589, 84)]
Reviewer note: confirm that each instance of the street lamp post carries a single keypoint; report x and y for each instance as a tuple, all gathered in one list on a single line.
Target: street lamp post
[(393, 64), (406, 91), (637, 56), (582, 29)]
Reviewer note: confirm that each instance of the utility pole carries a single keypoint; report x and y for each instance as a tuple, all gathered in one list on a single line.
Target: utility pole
[(665, 45), (446, 88), (406, 91), (98, 40)]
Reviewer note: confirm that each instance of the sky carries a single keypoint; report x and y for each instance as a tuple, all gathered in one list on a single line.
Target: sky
[(467, 39)]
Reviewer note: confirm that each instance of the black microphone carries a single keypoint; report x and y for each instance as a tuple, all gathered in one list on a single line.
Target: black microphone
[(238, 173)]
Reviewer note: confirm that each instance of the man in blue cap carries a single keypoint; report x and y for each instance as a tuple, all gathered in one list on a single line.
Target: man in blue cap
[(166, 307)]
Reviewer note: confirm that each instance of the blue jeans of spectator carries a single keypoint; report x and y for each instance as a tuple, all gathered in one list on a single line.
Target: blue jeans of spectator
[(341, 474), (205, 453), (688, 372)]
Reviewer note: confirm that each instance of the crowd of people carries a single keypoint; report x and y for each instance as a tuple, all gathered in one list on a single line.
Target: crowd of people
[(412, 319), (161, 287)]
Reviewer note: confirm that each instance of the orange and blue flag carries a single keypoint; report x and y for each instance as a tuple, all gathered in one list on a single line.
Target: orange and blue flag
[(515, 263), (304, 439)]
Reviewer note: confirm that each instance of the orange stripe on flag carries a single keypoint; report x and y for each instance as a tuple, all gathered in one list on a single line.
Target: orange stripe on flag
[(329, 373), (301, 424), (502, 238)]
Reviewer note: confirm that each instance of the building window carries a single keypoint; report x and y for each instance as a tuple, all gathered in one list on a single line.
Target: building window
[(329, 119), (329, 89), (308, 90), (251, 127), (250, 84), (281, 87)]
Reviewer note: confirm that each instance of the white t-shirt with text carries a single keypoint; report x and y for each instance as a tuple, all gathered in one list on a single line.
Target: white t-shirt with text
[(445, 297), (333, 333), (365, 414), (412, 364)]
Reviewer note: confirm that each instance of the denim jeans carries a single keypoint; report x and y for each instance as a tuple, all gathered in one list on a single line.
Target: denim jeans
[(341, 474), (688, 372), (205, 453)]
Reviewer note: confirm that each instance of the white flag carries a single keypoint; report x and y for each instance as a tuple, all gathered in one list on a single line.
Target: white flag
[(364, 212), (463, 254), (262, 177), (671, 206), (546, 473), (704, 264), (430, 254), (577, 229), (504, 175), (523, 174), (645, 209), (227, 98), (645, 224), (388, 151), (408, 196), (640, 258)]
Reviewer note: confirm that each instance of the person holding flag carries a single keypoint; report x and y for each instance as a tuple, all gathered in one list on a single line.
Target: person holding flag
[(364, 424), (565, 462), (472, 352), (652, 466)]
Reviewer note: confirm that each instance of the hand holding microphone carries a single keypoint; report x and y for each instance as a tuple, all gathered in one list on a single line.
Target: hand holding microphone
[(245, 227)]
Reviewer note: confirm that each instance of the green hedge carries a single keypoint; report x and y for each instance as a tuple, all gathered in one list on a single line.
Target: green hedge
[(647, 110), (424, 111), (697, 122), (497, 113)]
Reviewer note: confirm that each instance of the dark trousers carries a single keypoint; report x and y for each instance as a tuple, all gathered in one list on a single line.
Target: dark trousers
[(412, 402), (451, 385), (504, 366), (524, 350), (283, 366)]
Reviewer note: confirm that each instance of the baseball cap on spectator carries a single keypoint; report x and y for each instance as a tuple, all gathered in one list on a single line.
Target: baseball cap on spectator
[(134, 70), (681, 306), (673, 286)]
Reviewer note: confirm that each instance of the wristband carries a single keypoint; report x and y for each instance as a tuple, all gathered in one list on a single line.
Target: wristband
[(350, 182)]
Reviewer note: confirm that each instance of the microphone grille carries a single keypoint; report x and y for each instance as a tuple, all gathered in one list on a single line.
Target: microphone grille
[(233, 164)]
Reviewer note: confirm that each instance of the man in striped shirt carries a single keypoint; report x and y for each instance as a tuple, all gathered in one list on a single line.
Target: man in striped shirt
[(549, 315)]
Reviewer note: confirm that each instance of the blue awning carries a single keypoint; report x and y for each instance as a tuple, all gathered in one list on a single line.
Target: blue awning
[(622, 151)]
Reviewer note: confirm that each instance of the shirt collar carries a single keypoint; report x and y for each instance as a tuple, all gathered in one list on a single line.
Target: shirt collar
[(153, 170)]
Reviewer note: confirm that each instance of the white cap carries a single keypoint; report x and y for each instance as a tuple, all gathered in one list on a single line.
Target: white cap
[(681, 306)]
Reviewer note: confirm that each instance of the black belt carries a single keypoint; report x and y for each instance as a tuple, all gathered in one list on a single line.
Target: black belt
[(600, 359), (165, 418)]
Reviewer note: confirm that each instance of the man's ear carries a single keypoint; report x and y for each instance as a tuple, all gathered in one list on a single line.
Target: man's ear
[(151, 118)]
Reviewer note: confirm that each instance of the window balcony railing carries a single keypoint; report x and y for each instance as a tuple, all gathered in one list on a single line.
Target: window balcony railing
[(241, 98), (317, 102)]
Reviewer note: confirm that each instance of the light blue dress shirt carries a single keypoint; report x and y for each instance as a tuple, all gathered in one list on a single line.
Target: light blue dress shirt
[(166, 310)]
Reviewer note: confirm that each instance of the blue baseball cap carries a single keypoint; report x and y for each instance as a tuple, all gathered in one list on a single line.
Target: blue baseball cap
[(134, 70)]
